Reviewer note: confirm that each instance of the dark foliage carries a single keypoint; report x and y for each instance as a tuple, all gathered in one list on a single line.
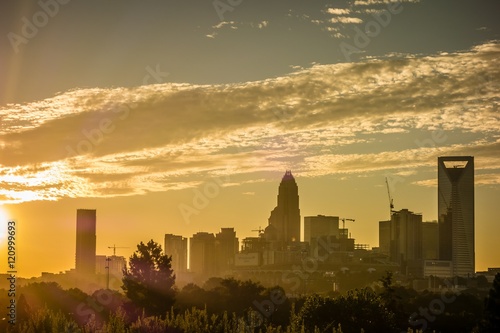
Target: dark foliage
[(491, 321), (149, 283), (359, 309)]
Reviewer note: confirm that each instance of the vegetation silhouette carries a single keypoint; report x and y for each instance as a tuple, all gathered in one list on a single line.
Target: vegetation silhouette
[(150, 303), (491, 321), (149, 283)]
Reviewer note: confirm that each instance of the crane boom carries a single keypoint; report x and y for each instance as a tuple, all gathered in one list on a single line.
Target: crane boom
[(260, 231), (114, 247), (391, 203), (343, 222)]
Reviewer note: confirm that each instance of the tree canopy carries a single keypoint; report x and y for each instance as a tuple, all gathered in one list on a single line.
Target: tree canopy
[(149, 281)]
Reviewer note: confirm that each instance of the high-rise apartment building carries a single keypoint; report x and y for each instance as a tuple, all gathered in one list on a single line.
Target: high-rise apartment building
[(85, 263), (176, 246), (384, 237), (202, 254), (320, 225), (406, 237), (456, 212), (430, 240), (226, 247), (113, 264), (284, 222)]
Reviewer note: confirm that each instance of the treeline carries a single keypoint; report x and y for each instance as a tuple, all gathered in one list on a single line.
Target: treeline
[(228, 305), (150, 302)]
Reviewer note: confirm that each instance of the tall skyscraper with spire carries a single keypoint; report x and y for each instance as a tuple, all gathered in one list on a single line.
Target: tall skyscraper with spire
[(456, 212), (284, 222)]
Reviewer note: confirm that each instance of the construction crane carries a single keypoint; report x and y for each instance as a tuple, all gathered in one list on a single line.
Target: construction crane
[(343, 225), (391, 203), (343, 221), (260, 230), (114, 247)]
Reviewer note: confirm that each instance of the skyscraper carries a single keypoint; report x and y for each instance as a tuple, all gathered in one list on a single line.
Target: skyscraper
[(430, 240), (284, 222), (456, 212), (226, 247), (202, 254), (384, 237), (176, 246), (406, 237), (85, 241)]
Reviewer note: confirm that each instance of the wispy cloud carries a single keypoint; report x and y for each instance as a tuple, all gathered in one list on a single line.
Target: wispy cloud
[(346, 20), (338, 11), (232, 26), (319, 120), (381, 2)]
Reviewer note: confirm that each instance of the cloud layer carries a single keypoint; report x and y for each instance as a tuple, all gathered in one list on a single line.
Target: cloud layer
[(380, 114)]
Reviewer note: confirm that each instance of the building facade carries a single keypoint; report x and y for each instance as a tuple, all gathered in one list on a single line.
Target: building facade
[(384, 237), (320, 225), (202, 254), (226, 247), (456, 213), (406, 237), (430, 240), (177, 247), (85, 259), (284, 222)]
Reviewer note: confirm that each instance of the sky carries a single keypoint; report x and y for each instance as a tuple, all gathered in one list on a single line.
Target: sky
[(179, 117)]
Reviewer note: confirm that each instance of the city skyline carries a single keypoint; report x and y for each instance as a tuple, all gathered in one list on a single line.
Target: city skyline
[(177, 118), (409, 239)]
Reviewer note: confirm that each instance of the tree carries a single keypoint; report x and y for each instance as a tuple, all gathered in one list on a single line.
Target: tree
[(492, 308), (358, 311), (149, 282)]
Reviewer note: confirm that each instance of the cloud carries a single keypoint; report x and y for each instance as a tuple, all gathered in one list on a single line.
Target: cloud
[(319, 121), (346, 20), (381, 2), (338, 11), (263, 24), (232, 26)]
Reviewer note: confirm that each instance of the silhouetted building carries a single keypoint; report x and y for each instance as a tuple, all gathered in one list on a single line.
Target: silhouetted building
[(176, 246), (284, 222), (320, 225), (85, 241), (406, 238), (456, 212), (330, 249), (115, 264), (202, 254), (430, 240), (438, 268), (226, 247), (384, 237)]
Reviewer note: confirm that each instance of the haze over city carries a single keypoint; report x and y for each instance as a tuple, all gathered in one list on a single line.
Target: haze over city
[(170, 117)]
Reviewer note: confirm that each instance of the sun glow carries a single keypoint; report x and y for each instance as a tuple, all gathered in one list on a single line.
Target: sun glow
[(4, 218)]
